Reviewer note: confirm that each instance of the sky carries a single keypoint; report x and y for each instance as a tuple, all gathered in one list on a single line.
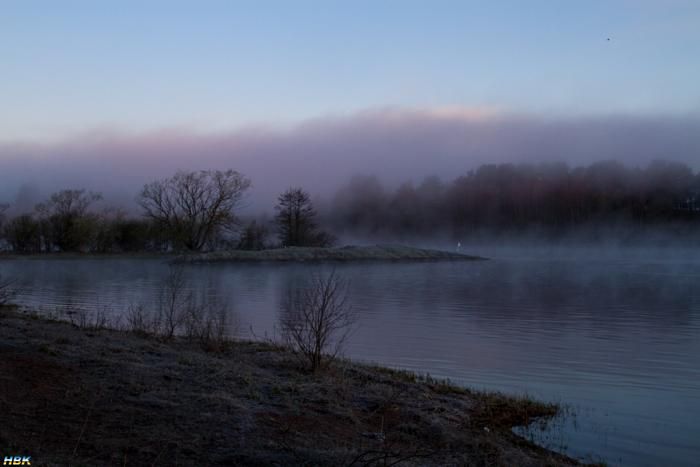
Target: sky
[(403, 88), (72, 66)]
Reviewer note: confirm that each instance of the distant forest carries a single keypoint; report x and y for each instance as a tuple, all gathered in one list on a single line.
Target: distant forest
[(200, 210), (506, 198)]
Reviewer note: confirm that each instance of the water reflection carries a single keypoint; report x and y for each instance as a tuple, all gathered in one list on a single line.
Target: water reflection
[(615, 338)]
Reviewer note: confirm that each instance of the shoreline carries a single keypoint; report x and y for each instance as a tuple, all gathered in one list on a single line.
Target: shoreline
[(114, 397), (349, 253)]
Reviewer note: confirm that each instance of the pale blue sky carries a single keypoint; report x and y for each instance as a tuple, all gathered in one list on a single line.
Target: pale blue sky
[(69, 66)]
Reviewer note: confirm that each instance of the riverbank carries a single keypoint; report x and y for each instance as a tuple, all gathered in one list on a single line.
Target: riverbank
[(103, 397), (292, 254), (318, 254)]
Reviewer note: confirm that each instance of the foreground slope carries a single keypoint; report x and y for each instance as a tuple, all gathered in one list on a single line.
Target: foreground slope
[(101, 397)]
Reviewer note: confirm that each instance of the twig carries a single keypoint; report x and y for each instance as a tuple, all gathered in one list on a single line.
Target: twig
[(82, 431)]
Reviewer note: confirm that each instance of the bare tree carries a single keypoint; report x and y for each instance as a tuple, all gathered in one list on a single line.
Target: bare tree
[(318, 319), (68, 203), (194, 206), (173, 301)]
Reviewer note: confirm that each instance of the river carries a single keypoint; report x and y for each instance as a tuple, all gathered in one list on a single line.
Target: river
[(615, 336)]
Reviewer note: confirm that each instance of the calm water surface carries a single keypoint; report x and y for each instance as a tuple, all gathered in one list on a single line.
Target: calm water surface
[(614, 336)]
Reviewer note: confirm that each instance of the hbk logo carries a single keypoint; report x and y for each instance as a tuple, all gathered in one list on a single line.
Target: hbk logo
[(17, 460)]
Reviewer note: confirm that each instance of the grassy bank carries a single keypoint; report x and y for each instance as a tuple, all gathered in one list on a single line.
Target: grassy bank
[(292, 254), (103, 397), (89, 255), (346, 253)]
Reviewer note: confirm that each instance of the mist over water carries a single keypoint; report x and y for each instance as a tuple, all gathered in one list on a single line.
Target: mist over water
[(612, 333), (590, 297)]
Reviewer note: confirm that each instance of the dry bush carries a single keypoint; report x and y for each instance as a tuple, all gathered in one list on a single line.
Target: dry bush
[(318, 320), (173, 301), (140, 322), (95, 320), (178, 312), (210, 323), (7, 291), (172, 306)]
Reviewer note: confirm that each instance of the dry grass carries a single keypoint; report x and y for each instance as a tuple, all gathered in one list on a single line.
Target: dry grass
[(103, 397)]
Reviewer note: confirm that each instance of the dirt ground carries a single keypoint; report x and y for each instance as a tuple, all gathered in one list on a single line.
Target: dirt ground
[(71, 396)]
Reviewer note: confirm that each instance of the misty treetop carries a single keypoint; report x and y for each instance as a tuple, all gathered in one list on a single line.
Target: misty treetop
[(200, 210), (507, 197)]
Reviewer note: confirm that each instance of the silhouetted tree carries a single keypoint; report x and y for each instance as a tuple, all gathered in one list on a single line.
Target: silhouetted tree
[(68, 225), (253, 237), (23, 233), (117, 232), (296, 220), (194, 207), (136, 235)]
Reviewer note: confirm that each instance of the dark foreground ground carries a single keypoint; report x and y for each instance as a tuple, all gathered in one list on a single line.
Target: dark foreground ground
[(72, 396)]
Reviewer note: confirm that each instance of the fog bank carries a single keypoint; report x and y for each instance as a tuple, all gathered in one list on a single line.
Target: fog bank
[(394, 144)]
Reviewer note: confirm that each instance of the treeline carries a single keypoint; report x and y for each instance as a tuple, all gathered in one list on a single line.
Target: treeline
[(190, 211), (553, 198), (199, 210), (70, 222)]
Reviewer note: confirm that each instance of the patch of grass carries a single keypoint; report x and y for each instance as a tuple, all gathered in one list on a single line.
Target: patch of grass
[(184, 360), (44, 348), (501, 411)]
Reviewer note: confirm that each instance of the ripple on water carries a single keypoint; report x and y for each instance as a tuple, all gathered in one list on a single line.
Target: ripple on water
[(616, 340)]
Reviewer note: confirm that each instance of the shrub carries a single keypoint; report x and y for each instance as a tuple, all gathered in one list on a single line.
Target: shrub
[(318, 320)]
